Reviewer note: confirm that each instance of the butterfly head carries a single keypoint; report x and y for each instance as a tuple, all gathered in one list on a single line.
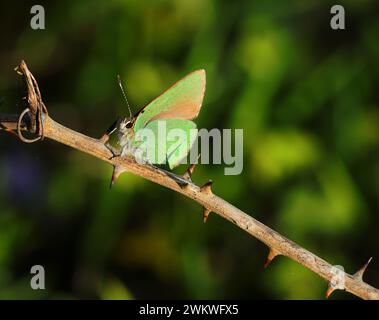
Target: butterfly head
[(125, 133), (126, 125)]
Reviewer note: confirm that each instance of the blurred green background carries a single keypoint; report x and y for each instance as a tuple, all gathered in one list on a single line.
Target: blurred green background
[(305, 95)]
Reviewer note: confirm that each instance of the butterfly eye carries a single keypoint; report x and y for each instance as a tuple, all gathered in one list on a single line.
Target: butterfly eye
[(128, 124)]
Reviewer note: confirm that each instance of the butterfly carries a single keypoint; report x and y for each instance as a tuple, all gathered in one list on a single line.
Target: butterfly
[(174, 111)]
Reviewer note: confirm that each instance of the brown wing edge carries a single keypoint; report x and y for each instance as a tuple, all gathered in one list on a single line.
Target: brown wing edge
[(202, 71)]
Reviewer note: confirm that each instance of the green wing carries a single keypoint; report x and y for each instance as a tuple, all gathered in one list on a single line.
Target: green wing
[(172, 144), (182, 101)]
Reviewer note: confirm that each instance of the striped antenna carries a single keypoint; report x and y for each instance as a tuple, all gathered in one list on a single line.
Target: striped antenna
[(123, 93)]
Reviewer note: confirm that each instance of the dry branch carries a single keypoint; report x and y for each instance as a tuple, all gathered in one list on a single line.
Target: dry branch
[(277, 244)]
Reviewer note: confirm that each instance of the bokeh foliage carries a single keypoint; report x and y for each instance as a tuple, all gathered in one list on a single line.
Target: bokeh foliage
[(305, 95)]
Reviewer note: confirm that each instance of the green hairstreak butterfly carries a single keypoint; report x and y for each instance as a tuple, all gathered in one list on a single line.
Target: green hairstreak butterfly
[(173, 111)]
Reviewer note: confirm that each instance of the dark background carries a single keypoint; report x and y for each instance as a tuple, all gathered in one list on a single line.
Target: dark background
[(305, 95)]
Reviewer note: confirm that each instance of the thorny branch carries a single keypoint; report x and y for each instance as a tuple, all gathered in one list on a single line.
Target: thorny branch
[(36, 120)]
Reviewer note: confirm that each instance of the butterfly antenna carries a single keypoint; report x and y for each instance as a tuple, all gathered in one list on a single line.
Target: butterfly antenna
[(123, 93)]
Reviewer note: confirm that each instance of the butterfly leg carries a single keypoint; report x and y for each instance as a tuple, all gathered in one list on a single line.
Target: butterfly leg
[(117, 170), (182, 182), (113, 150)]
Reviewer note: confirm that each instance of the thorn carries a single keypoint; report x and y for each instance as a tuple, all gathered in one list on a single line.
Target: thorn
[(117, 171), (329, 290), (271, 255), (361, 271), (332, 287), (206, 213), (104, 138), (188, 174), (207, 188)]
